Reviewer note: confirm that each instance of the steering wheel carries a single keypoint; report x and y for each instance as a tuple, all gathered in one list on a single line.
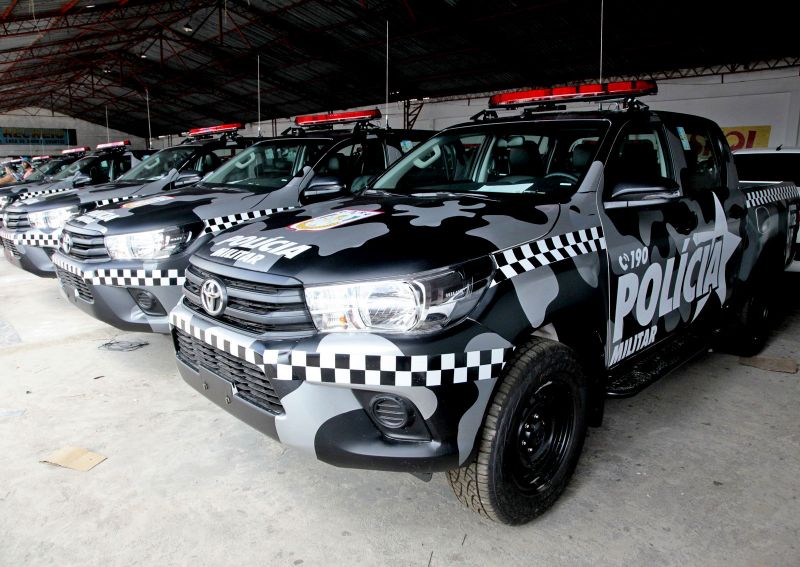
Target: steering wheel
[(568, 176)]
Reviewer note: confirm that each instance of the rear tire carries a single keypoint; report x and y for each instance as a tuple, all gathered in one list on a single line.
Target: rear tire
[(752, 327), (531, 438)]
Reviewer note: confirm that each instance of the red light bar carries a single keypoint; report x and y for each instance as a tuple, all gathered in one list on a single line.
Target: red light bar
[(37, 158), (215, 129), (337, 117), (76, 150), (582, 92), (118, 144)]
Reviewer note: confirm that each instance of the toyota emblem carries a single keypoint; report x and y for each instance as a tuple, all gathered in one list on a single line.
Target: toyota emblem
[(66, 243), (213, 296)]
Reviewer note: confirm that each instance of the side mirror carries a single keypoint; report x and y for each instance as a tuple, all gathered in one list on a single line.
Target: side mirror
[(658, 191), (81, 180), (323, 188), (186, 178)]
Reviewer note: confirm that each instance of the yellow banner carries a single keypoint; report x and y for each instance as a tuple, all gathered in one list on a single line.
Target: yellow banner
[(740, 137)]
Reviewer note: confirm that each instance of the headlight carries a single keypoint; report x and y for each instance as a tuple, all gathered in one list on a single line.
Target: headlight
[(4, 201), (426, 302), (54, 218), (150, 245)]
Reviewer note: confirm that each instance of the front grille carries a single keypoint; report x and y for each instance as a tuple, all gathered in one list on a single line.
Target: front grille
[(16, 221), (86, 247), (77, 282), (250, 382), (11, 247), (254, 307)]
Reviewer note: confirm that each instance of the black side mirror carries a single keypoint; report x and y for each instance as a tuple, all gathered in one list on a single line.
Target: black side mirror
[(81, 180), (323, 188), (186, 178), (653, 192)]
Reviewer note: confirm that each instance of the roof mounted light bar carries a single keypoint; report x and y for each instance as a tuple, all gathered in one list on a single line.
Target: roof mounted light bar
[(117, 144), (39, 158), (593, 92), (337, 117), (221, 129), (76, 150)]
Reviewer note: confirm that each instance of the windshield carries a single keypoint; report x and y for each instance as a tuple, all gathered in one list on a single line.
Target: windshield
[(80, 165), (768, 167), (50, 168), (526, 157), (270, 164), (159, 164)]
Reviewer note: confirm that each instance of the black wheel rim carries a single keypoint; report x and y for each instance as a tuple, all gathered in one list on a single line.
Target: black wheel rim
[(541, 436)]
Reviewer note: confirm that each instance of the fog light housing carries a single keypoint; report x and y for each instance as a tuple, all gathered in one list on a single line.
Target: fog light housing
[(392, 412), (147, 302)]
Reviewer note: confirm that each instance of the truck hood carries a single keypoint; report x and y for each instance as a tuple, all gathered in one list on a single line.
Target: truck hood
[(89, 197), (189, 206), (378, 237)]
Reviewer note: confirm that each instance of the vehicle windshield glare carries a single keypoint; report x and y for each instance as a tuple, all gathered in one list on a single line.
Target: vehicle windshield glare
[(50, 168), (548, 157), (768, 166), (80, 165), (159, 164), (270, 164)]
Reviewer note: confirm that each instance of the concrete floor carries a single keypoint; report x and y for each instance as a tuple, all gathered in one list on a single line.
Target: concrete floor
[(701, 468)]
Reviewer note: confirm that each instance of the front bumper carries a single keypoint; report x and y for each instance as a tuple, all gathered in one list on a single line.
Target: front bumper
[(103, 292), (318, 395), (30, 250)]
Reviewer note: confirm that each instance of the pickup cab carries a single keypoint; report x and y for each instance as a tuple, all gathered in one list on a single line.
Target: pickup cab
[(43, 173), (34, 225), (471, 308), (125, 264)]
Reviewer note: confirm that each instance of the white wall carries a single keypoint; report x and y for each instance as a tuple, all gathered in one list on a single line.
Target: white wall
[(762, 98), (88, 134)]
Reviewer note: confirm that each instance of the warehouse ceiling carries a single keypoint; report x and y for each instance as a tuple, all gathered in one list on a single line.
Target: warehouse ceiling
[(196, 60)]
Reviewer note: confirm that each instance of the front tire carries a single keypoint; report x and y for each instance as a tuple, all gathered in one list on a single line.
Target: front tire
[(531, 438)]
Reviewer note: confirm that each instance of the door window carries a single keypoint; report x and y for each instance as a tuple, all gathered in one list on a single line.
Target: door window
[(639, 162), (702, 171)]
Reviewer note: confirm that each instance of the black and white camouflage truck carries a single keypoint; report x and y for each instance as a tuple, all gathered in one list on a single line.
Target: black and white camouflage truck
[(470, 310), (87, 167), (34, 225), (125, 264)]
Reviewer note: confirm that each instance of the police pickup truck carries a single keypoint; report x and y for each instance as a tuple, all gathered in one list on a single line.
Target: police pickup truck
[(470, 309), (108, 162), (43, 172), (125, 265), (34, 225)]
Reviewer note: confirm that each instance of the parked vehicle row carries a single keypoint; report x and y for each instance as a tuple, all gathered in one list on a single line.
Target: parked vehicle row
[(461, 302)]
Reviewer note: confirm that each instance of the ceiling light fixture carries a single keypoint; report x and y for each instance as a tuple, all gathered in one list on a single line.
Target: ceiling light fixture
[(187, 27)]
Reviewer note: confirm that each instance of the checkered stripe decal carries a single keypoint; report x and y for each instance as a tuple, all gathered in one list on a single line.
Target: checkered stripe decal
[(124, 278), (32, 194), (32, 238), (771, 195), (104, 202), (219, 224), (535, 254), (373, 370)]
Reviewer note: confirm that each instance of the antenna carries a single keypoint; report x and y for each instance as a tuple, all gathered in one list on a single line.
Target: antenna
[(258, 91), (386, 106), (602, 11), (149, 131), (108, 139)]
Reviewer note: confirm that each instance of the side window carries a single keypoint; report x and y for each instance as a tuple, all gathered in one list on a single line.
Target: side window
[(374, 158), (639, 159), (100, 171), (702, 171), (121, 165), (345, 164)]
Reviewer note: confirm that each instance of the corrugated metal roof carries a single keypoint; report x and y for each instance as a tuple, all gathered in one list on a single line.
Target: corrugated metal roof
[(196, 59)]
